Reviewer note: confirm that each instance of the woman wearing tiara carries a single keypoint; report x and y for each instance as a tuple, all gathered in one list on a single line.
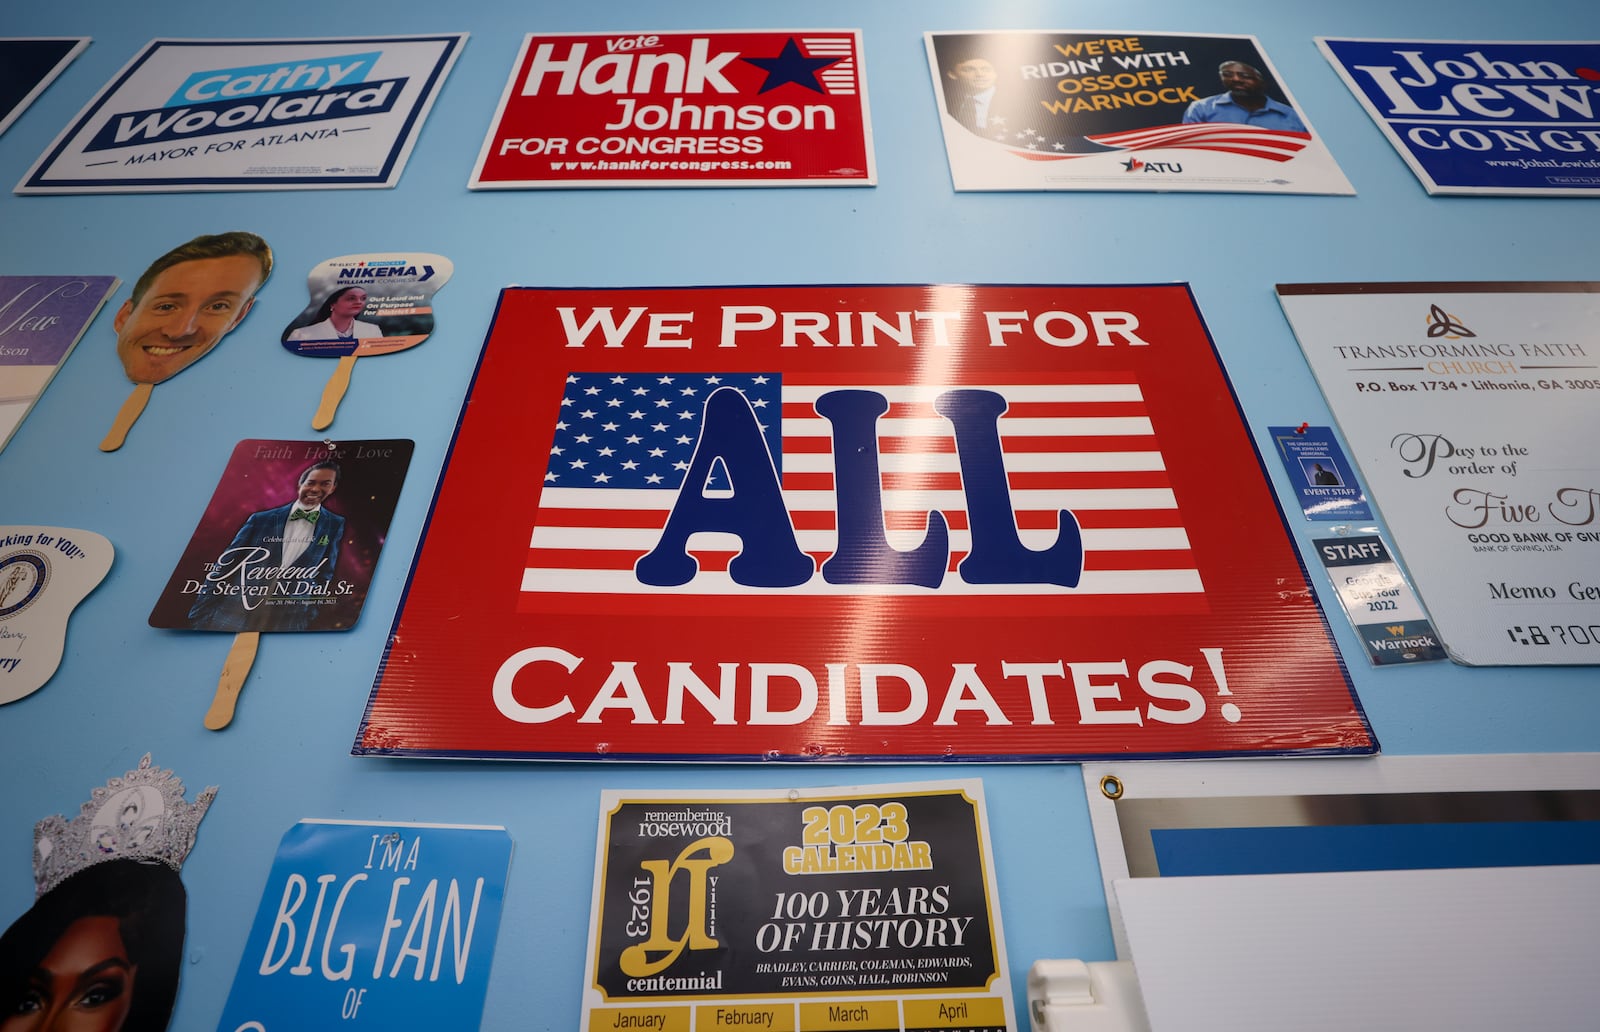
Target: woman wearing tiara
[(99, 950), (98, 953)]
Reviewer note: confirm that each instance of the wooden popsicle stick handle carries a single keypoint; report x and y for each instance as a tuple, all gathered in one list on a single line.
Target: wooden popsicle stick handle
[(332, 394), (234, 670), (127, 415)]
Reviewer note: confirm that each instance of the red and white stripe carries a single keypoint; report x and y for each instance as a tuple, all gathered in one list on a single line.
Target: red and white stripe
[(1087, 448), (1272, 144), (840, 77)]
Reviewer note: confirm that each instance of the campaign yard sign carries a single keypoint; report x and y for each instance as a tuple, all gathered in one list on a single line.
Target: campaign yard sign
[(1482, 117), (863, 523), (32, 63), (1073, 110), (240, 114), (769, 108)]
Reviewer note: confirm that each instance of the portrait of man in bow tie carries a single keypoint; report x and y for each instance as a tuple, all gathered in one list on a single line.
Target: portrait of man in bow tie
[(290, 551)]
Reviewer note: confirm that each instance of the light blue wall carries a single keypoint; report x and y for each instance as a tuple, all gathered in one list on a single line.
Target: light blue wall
[(125, 689)]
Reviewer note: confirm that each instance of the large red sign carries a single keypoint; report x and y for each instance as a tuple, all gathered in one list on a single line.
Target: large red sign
[(865, 523), (766, 108)]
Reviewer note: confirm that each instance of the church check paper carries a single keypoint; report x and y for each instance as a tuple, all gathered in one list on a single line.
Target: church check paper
[(1471, 409)]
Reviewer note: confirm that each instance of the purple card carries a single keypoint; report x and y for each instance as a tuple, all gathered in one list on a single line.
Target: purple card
[(41, 318), (27, 65)]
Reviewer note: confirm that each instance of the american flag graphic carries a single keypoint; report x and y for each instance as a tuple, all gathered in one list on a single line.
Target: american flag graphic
[(624, 441), (838, 78), (1252, 142)]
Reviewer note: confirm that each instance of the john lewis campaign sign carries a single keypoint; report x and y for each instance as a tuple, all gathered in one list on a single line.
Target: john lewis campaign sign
[(855, 523), (1483, 117), (190, 114)]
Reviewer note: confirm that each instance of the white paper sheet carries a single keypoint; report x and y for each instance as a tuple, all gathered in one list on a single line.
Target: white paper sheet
[(1482, 948)]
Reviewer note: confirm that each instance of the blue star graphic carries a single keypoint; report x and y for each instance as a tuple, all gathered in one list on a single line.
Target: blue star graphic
[(791, 66)]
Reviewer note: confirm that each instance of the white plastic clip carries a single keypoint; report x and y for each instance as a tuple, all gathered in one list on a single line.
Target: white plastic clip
[(1075, 996)]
